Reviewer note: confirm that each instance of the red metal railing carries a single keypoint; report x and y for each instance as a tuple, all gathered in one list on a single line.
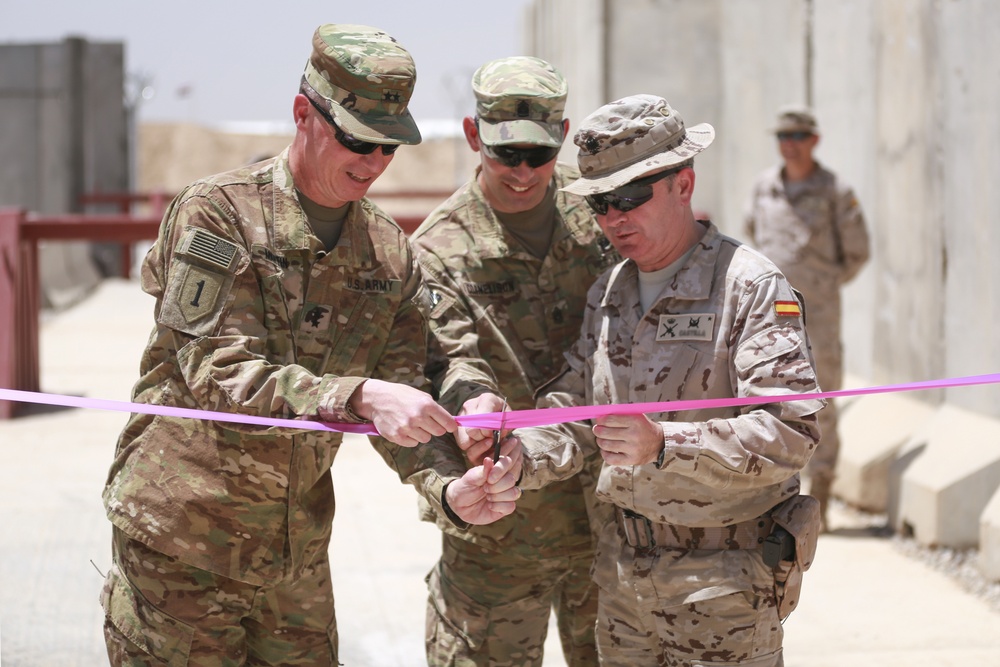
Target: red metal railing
[(20, 233), (127, 203)]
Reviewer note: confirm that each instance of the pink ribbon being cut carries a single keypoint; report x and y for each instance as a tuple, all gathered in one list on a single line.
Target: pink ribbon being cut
[(490, 420)]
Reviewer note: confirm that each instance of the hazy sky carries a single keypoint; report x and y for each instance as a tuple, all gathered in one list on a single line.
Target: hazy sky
[(241, 61)]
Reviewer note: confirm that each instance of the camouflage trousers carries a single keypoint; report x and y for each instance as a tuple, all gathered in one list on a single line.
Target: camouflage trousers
[(683, 608), (489, 609), (159, 611)]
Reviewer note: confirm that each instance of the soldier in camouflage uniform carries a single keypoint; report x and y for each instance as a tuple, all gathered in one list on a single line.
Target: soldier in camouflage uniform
[(280, 291), (693, 495), (808, 222), (515, 255)]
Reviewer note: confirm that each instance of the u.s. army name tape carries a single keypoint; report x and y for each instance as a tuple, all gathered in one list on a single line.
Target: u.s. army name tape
[(490, 420)]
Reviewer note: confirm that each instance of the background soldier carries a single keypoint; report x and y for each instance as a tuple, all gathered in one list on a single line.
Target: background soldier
[(690, 314), (516, 256), (808, 222), (280, 291)]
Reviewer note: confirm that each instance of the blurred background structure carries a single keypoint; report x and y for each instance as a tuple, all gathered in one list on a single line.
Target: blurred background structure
[(905, 92)]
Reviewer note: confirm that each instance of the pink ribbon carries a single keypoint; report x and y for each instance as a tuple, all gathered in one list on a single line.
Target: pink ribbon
[(489, 420)]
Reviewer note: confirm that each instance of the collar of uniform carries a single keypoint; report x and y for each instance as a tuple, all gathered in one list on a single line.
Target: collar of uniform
[(692, 283), (576, 220), (573, 217), (492, 241), (813, 182), (290, 228)]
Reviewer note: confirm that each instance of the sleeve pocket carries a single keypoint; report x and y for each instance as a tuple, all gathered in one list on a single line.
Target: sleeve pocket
[(766, 346)]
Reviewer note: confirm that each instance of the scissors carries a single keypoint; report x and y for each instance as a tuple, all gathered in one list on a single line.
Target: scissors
[(496, 433)]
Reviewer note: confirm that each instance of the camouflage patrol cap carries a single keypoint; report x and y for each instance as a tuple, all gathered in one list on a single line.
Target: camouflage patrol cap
[(520, 100), (632, 137), (796, 119), (365, 79)]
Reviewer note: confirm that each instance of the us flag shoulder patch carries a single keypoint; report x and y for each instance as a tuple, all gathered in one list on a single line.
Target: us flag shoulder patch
[(787, 309)]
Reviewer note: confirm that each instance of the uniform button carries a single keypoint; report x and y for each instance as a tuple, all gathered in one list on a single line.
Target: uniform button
[(557, 316)]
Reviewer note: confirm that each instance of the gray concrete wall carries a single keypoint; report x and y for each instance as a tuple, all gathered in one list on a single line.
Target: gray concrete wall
[(906, 93), (969, 96), (62, 123), (842, 80), (570, 35), (63, 133)]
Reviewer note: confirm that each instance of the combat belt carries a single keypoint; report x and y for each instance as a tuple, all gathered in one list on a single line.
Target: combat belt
[(762, 532)]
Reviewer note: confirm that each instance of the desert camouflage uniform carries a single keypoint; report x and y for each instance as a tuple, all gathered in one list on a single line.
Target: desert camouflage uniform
[(230, 524), (715, 332), (816, 235), (492, 591)]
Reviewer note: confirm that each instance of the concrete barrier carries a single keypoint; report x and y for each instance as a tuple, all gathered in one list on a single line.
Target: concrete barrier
[(989, 539), (945, 489), (873, 429)]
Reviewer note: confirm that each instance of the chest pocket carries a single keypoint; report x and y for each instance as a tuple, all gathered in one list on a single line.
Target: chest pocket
[(361, 334), (277, 282), (347, 332)]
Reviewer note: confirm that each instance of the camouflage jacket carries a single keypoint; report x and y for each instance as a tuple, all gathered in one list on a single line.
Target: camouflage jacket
[(816, 234), (718, 331), (254, 317), (520, 314)]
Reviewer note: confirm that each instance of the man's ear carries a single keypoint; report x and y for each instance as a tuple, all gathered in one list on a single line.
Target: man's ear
[(684, 182), (471, 132), (300, 109)]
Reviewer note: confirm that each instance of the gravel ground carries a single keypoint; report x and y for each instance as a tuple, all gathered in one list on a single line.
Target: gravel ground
[(959, 564)]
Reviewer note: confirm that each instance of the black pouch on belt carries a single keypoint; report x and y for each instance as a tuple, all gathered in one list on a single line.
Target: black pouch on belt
[(790, 548)]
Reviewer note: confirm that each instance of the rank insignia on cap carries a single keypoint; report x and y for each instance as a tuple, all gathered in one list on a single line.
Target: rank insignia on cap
[(787, 309)]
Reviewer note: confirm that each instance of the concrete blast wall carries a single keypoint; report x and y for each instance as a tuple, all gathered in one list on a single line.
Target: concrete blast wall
[(63, 133), (906, 93), (62, 123)]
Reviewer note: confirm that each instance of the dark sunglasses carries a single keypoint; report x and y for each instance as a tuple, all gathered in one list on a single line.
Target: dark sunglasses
[(347, 141), (793, 136), (629, 196), (511, 157)]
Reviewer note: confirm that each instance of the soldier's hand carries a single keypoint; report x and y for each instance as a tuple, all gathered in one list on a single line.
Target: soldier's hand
[(510, 447), (485, 493), (402, 414), (478, 442), (628, 439)]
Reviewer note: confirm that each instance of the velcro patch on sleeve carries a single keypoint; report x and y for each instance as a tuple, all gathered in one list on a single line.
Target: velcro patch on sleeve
[(787, 309), (209, 248)]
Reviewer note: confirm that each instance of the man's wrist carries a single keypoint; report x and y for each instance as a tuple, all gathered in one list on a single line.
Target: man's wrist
[(449, 512)]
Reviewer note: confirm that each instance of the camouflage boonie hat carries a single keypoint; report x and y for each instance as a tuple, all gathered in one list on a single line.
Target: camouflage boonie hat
[(364, 78), (796, 119), (520, 100), (632, 137)]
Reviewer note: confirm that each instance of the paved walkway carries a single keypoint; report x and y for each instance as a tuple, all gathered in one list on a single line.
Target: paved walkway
[(864, 602)]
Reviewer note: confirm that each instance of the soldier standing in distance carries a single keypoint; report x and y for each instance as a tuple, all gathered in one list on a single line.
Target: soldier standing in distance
[(515, 255), (684, 564), (280, 291), (808, 222)]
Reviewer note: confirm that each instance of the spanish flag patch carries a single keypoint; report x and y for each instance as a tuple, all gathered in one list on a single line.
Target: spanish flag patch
[(787, 309)]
